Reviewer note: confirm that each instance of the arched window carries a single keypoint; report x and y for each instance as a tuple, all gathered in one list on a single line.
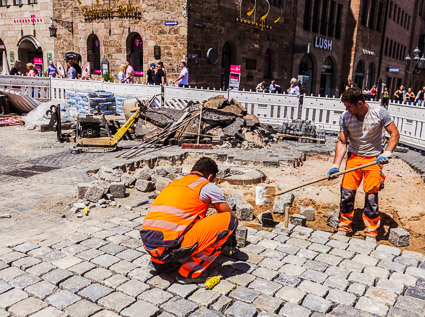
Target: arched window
[(267, 65), (327, 78), (359, 76), (93, 53), (135, 53), (306, 73)]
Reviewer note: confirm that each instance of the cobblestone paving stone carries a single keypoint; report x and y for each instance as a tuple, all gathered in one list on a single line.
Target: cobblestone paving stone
[(97, 267)]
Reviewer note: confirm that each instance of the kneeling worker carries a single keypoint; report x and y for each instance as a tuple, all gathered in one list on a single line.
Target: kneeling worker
[(361, 128), (176, 231)]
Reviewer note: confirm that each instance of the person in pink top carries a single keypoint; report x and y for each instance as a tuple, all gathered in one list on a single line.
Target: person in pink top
[(31, 70), (129, 72)]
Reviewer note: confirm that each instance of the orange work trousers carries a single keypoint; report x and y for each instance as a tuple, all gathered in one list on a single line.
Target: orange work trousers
[(373, 180)]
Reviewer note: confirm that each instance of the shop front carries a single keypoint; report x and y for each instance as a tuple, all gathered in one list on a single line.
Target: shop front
[(30, 51), (328, 78)]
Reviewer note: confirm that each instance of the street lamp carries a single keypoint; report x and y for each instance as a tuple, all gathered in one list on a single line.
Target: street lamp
[(53, 30), (418, 62)]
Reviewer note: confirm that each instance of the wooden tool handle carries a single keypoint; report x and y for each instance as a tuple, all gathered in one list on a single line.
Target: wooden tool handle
[(325, 178)]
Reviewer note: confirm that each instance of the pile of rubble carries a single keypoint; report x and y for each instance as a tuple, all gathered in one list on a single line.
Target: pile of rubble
[(222, 122), (304, 128)]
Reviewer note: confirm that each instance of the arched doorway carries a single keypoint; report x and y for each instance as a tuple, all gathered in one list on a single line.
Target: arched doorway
[(93, 53), (2, 51), (306, 73), (135, 53), (359, 76), (371, 76), (226, 61), (327, 78), (29, 51), (267, 64)]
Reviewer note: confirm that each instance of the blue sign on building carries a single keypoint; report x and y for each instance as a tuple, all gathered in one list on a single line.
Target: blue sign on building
[(393, 70), (171, 23)]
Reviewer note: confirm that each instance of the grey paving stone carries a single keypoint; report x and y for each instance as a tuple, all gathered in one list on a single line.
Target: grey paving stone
[(252, 249), (244, 294), (107, 313), (155, 296), (10, 257), (293, 259), (222, 304), (365, 259), (82, 268), (403, 278), (363, 278), (112, 248), (82, 308), (62, 245), (62, 299), (26, 247), (315, 276), (129, 255), (94, 292), (382, 255), (315, 265), (316, 303), (24, 280), (328, 259), (10, 273), (300, 243), (3, 265), (4, 287), (242, 279), (313, 288), (27, 307), (138, 307), (269, 244), (321, 248), (140, 274), (287, 280), (67, 262), (292, 309), (399, 312), (98, 274), (337, 271), (416, 272), (56, 276), (204, 312), (392, 266), (390, 285), (291, 294), (241, 309), (116, 301), (307, 254), (133, 288), (41, 268), (89, 254), (413, 304), (267, 303), (406, 261), (41, 290), (52, 256), (93, 243), (274, 254), (417, 292), (49, 312), (357, 289), (75, 283), (388, 249), (105, 260), (347, 311), (288, 249), (115, 281), (182, 290), (162, 281), (377, 271), (341, 297), (414, 255), (26, 262), (272, 264), (292, 270), (322, 234), (372, 306), (337, 244), (266, 287), (336, 282), (123, 267), (265, 273), (11, 297), (352, 265)]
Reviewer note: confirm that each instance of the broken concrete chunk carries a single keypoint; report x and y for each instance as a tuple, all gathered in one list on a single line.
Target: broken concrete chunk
[(399, 237), (103, 184), (245, 212), (117, 190), (174, 169), (144, 185), (161, 171), (109, 174), (144, 173), (82, 189), (333, 219), (308, 212), (234, 201), (94, 193), (298, 220), (285, 200), (235, 127), (266, 219), (128, 179), (79, 205), (162, 182)]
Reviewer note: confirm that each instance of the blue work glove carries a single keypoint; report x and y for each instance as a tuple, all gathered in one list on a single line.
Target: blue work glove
[(384, 158), (333, 171)]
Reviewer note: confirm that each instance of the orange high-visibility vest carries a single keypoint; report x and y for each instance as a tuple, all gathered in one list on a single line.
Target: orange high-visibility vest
[(174, 211)]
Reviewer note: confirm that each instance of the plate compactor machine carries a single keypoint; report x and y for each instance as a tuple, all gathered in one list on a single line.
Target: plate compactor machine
[(93, 133)]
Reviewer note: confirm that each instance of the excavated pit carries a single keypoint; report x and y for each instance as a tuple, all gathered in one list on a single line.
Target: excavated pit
[(240, 176)]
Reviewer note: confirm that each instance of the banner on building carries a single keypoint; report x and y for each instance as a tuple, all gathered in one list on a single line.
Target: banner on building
[(235, 77), (85, 72), (60, 69)]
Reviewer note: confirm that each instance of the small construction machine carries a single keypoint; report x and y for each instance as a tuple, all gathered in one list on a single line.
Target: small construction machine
[(93, 133)]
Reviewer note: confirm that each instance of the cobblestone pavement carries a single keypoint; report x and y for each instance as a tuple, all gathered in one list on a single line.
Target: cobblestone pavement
[(96, 266)]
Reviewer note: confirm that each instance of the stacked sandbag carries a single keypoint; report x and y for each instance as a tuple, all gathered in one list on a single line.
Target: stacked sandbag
[(87, 102)]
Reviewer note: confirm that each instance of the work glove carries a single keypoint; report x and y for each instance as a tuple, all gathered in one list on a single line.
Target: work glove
[(332, 171), (384, 158)]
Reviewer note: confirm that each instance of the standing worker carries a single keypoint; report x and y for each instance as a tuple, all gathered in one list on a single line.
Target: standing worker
[(362, 124), (177, 233), (183, 78)]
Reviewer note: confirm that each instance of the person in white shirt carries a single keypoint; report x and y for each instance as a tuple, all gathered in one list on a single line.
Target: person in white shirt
[(183, 78), (294, 89)]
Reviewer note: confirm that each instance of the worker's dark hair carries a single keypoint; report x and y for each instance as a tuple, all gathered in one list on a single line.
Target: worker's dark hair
[(352, 96), (184, 63), (205, 166)]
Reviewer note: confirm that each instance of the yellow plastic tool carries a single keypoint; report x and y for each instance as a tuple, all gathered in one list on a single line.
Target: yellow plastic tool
[(212, 282)]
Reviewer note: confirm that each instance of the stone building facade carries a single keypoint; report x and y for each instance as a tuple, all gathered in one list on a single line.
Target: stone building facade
[(24, 32), (319, 46)]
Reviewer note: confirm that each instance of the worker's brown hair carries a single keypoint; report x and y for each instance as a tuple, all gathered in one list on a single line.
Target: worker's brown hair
[(352, 96), (205, 166)]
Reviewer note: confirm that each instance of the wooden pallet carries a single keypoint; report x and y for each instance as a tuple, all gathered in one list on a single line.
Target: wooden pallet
[(283, 136)]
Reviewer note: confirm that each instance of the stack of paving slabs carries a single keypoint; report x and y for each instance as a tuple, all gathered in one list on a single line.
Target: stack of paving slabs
[(88, 102)]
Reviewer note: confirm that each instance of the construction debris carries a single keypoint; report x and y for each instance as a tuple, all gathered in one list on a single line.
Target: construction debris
[(399, 237), (298, 220), (308, 212), (333, 219)]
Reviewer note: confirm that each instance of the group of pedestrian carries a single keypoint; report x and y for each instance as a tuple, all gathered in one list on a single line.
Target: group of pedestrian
[(157, 75), (408, 97), (126, 74), (294, 87)]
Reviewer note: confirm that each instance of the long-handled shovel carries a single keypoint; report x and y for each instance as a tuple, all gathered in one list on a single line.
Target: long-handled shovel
[(265, 194)]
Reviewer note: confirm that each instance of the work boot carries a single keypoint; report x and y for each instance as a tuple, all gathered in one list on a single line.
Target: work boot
[(197, 280), (163, 268)]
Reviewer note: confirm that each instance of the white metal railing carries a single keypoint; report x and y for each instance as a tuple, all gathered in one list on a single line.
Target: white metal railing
[(323, 111), (36, 87)]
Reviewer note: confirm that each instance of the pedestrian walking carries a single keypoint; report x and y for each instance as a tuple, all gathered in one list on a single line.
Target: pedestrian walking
[(293, 89), (160, 74), (420, 97), (15, 69), (361, 127), (122, 78), (150, 74), (51, 70), (130, 72), (274, 88), (178, 234), (31, 71), (183, 78), (72, 72), (399, 95)]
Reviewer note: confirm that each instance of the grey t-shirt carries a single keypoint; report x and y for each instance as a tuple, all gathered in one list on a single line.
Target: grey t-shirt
[(211, 194), (366, 136)]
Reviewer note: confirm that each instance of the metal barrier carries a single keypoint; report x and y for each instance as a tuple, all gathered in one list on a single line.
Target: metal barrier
[(323, 111), (36, 87), (177, 98)]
